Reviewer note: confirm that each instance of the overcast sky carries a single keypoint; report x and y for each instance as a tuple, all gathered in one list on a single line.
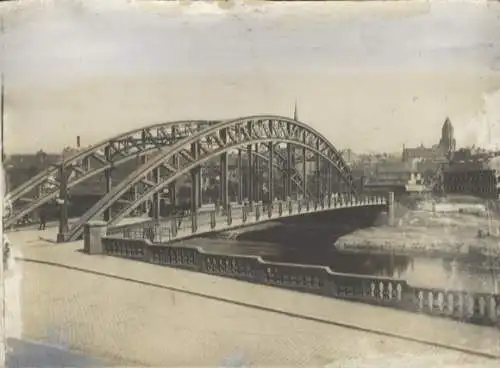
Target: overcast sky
[(371, 76)]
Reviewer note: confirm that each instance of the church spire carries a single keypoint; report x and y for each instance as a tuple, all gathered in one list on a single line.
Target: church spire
[(295, 113), (447, 141)]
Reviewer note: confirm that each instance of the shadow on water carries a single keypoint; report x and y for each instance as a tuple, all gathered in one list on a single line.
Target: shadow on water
[(310, 240), (364, 264), (314, 230)]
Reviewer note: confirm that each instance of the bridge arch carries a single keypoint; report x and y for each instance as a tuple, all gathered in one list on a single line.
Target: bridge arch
[(105, 155), (213, 141), (98, 148)]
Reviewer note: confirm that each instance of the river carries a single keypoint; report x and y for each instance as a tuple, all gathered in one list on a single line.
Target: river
[(418, 271)]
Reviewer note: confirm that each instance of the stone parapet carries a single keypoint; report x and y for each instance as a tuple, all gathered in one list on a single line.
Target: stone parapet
[(477, 308)]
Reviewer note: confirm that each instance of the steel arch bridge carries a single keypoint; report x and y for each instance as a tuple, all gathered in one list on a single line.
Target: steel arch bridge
[(183, 147)]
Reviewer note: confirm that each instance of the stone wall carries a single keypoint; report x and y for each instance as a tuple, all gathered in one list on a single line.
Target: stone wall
[(474, 308)]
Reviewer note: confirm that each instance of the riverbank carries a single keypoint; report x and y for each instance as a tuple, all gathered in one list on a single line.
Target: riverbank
[(459, 231)]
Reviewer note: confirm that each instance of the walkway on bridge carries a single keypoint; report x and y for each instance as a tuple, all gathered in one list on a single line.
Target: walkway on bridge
[(130, 312), (206, 221)]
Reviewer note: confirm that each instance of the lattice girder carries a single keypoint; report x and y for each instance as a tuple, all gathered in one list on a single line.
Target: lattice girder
[(211, 142), (279, 163), (95, 160)]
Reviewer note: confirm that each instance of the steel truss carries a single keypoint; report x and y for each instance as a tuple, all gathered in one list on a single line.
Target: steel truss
[(101, 159), (213, 140), (97, 159), (279, 162)]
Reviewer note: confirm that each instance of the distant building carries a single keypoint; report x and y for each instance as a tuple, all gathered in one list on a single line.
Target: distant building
[(437, 153), (432, 154), (349, 156), (392, 172), (476, 176), (447, 142), (20, 168), (400, 177)]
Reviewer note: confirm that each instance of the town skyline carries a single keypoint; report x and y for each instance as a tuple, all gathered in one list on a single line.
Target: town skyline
[(360, 83), (76, 144)]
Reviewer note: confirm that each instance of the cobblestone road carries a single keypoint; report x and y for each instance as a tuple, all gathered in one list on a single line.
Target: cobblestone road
[(131, 312)]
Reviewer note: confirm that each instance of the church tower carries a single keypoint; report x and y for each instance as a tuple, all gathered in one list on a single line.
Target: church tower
[(447, 142)]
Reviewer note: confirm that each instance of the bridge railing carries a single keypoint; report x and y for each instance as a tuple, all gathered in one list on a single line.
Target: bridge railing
[(477, 308), (134, 230), (174, 228)]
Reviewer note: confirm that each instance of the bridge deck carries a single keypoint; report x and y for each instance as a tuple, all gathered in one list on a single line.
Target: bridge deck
[(257, 215), (204, 209), (133, 312)]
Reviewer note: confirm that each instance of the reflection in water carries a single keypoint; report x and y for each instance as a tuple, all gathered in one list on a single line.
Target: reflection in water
[(310, 239), (366, 264), (418, 271)]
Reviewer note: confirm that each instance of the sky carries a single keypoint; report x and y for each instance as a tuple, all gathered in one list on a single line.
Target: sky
[(370, 76)]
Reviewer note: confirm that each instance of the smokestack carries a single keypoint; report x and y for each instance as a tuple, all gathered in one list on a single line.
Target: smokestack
[(77, 141)]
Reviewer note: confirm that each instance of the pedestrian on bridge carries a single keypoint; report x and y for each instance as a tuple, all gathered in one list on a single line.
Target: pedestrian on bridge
[(43, 219), (6, 251)]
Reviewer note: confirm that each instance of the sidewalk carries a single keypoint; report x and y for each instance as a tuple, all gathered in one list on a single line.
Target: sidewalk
[(173, 297)]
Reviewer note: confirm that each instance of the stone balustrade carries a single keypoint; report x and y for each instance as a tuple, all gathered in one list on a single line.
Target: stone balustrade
[(477, 308), (167, 230)]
